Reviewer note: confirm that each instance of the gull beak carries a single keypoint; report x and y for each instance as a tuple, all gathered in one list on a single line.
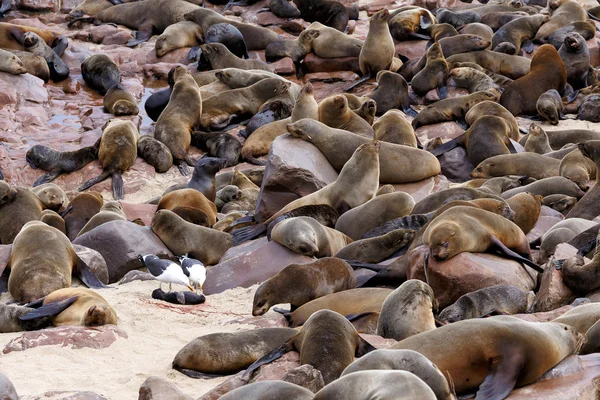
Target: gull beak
[(191, 288), (201, 291)]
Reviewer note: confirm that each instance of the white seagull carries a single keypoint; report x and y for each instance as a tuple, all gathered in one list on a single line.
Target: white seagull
[(165, 271), (194, 270)]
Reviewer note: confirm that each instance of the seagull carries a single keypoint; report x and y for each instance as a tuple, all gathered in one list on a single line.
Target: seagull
[(194, 270), (165, 271)]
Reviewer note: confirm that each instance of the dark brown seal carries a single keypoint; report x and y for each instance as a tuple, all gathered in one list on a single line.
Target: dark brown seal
[(17, 207), (155, 153)]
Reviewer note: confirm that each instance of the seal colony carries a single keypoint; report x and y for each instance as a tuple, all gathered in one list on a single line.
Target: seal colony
[(353, 178)]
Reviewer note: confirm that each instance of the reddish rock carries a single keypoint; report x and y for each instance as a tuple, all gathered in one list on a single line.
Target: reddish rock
[(145, 212), (411, 49), (421, 189), (155, 388), (66, 395), (177, 56), (378, 341), (294, 169), (230, 384), (548, 218), (314, 63), (248, 264), (285, 66), (306, 376), (29, 87), (446, 130), (268, 18), (328, 77), (544, 316), (159, 70), (76, 337), (276, 370), (468, 272), (564, 251), (37, 5), (553, 293)]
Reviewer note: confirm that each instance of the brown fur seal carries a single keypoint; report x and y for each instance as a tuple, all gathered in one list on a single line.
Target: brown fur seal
[(456, 20), (527, 207), (560, 202), (576, 56), (295, 49), (52, 196), (392, 127), (118, 101), (586, 29), (383, 385), (441, 30), (177, 121), (332, 43), (562, 232), (329, 12), (439, 199), (42, 261), (358, 221), (155, 153), (269, 389), (525, 164), (545, 187), (189, 198), (219, 56), (219, 145), (110, 211), (407, 311), (338, 145), (472, 79), (57, 162), (347, 302), (550, 106), (307, 236), (335, 113), (218, 110), (500, 299), (579, 276), (377, 249), (489, 107), (462, 43), (11, 37), (587, 207), (520, 96), (537, 140), (117, 153), (327, 341), (409, 21), (578, 168), (33, 64), (404, 360), (35, 44), (433, 75), (17, 207), (11, 64), (298, 284), (391, 93), (367, 111), (513, 67), (181, 237), (177, 36), (100, 73), (519, 32), (532, 350), (53, 219), (81, 209), (219, 353), (567, 12)]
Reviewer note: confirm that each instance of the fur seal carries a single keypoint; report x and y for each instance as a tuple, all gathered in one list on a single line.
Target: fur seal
[(327, 341), (332, 275), (490, 107), (155, 153), (488, 361), (283, 9), (407, 311), (433, 75), (587, 207), (533, 165), (586, 29), (177, 36), (329, 12), (579, 276), (117, 153), (53, 197), (12, 36), (118, 101), (53, 219), (499, 299), (576, 56), (358, 221), (562, 232), (520, 96), (439, 199), (457, 20), (219, 353), (462, 43), (219, 56), (228, 35), (347, 302), (189, 198), (409, 22), (560, 202), (110, 211), (404, 360), (41, 261), (550, 106), (335, 113), (269, 389), (17, 207), (219, 145), (377, 249), (547, 186), (274, 109), (11, 63), (519, 32), (81, 209), (35, 44), (100, 73), (182, 237), (391, 93), (511, 66), (296, 49), (392, 127), (307, 236), (567, 12), (527, 208), (338, 145), (384, 385), (537, 140), (306, 105), (472, 79), (332, 43), (177, 121), (578, 168), (33, 64)]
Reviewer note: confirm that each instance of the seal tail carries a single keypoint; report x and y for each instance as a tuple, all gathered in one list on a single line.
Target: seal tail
[(117, 186), (242, 235), (195, 374), (362, 80), (104, 175)]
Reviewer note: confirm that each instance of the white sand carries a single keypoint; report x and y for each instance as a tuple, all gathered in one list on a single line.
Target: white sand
[(156, 332)]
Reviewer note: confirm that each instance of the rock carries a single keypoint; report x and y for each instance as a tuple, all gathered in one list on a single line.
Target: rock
[(155, 388), (136, 275), (159, 70), (248, 264), (37, 5), (306, 376), (278, 369), (285, 66), (145, 212), (342, 76), (177, 56), (468, 272), (27, 86), (66, 395), (7, 389), (411, 49), (94, 260), (120, 243), (553, 293), (294, 169), (222, 389), (377, 341), (76, 337), (421, 189), (564, 251), (314, 63), (544, 316), (445, 130), (548, 218)]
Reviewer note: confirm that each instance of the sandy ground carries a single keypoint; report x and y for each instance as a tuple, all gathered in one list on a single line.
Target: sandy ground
[(156, 332)]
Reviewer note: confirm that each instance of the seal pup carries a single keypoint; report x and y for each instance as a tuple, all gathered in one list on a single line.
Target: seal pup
[(519, 33), (550, 106), (11, 64), (54, 219), (269, 389), (110, 211), (228, 35), (155, 153), (33, 43), (327, 341), (220, 145), (587, 207), (176, 123), (42, 261), (383, 385), (118, 101), (391, 93), (537, 140), (219, 353), (578, 168), (177, 36), (560, 202), (100, 73), (329, 12), (10, 317), (407, 311), (407, 22), (490, 363), (378, 50), (53, 197), (562, 232), (117, 153), (404, 360), (377, 249), (533, 165), (433, 75), (298, 284), (335, 112), (332, 43)]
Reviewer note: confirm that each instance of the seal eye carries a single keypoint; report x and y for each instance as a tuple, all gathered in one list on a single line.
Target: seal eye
[(261, 303)]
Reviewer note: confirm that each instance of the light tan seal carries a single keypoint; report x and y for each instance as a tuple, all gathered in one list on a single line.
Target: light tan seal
[(11, 64), (54, 219), (527, 208), (17, 207), (118, 101), (177, 36), (377, 249), (392, 127), (110, 211), (335, 113), (219, 57), (190, 198), (52, 196), (578, 168), (523, 164)]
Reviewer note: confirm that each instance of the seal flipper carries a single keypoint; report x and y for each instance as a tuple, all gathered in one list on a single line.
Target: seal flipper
[(513, 255), (47, 177), (363, 79), (410, 111), (591, 245), (117, 186), (449, 145), (142, 35), (195, 374), (5, 7), (1, 175), (442, 92), (369, 266), (242, 235), (49, 310), (116, 2), (183, 167), (4, 280), (504, 372), (93, 181), (511, 147), (527, 46), (194, 54), (59, 45), (87, 276), (418, 36), (271, 356)]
